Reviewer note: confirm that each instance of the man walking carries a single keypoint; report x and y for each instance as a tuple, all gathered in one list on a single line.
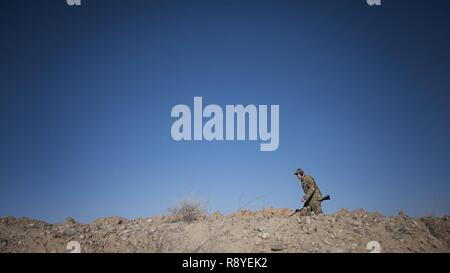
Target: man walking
[(313, 197)]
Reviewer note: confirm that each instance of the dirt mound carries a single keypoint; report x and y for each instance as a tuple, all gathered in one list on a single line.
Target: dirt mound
[(266, 230)]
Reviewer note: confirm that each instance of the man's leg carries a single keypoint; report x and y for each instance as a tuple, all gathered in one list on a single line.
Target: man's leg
[(306, 211), (316, 208)]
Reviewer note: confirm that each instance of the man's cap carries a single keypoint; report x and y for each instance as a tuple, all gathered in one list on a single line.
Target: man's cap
[(299, 170)]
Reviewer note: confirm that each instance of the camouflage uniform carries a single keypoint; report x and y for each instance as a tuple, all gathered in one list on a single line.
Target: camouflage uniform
[(313, 194)]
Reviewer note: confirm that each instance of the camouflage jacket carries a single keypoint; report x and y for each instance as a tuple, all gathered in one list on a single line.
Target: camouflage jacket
[(311, 190)]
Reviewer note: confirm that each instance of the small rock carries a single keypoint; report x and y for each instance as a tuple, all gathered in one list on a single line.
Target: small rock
[(3, 243), (68, 232), (125, 231), (265, 236), (277, 247), (397, 236)]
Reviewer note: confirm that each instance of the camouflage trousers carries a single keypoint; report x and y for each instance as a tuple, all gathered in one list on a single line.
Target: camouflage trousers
[(315, 207)]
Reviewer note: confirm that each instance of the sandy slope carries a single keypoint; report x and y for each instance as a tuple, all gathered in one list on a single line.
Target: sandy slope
[(268, 230)]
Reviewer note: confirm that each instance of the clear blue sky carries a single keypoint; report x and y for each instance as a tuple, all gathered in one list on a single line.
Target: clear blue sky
[(86, 95)]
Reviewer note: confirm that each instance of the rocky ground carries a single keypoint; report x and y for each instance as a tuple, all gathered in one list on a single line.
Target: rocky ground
[(268, 230)]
